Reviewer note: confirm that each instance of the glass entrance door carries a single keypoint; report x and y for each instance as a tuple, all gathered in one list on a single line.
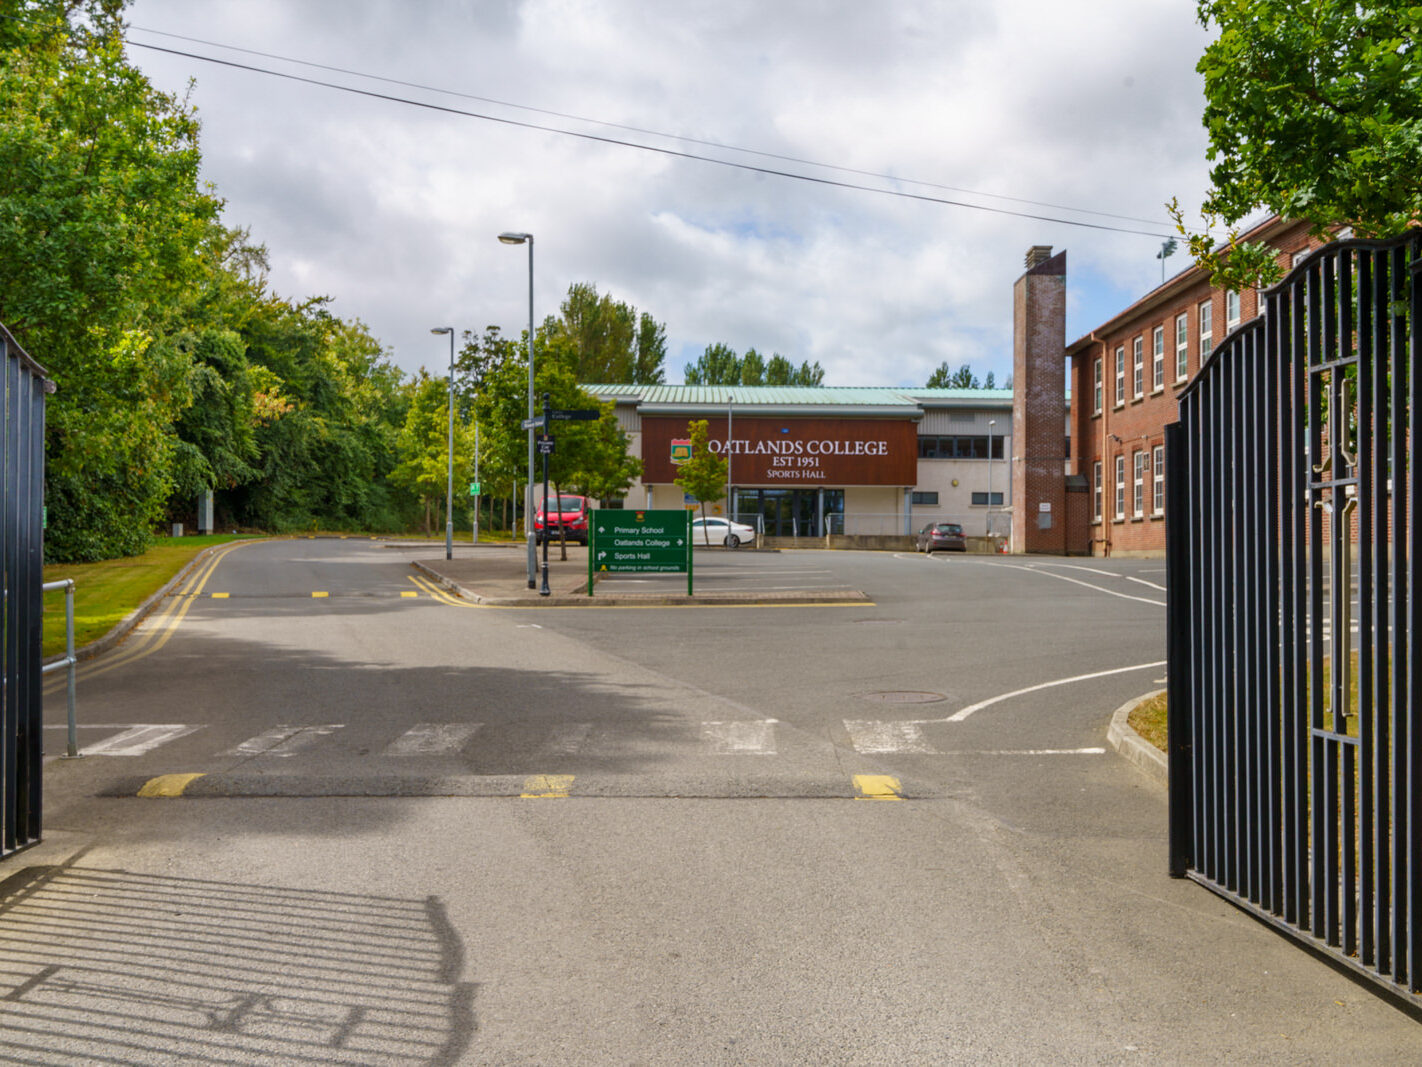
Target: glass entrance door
[(788, 512)]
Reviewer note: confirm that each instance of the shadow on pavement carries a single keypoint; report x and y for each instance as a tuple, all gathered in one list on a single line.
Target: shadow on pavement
[(112, 967)]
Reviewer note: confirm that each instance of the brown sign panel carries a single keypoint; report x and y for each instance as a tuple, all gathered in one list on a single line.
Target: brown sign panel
[(794, 452)]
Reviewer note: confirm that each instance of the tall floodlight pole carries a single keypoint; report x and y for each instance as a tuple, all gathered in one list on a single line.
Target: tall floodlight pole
[(518, 239), (449, 484), (988, 530)]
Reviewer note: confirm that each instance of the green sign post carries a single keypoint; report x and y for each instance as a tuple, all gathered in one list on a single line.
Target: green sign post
[(640, 542)]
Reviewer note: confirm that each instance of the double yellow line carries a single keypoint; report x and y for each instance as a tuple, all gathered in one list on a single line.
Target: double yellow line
[(439, 592), (154, 632)]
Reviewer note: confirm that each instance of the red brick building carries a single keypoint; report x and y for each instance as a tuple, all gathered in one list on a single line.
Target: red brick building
[(1124, 377)]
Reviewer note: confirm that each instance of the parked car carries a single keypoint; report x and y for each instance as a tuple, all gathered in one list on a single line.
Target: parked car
[(720, 532), (569, 519), (947, 536)]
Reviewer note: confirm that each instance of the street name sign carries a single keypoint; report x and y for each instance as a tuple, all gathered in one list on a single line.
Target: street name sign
[(628, 541)]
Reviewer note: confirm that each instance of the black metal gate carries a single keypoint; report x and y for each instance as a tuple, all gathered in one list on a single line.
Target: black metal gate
[(21, 557), (1293, 548)]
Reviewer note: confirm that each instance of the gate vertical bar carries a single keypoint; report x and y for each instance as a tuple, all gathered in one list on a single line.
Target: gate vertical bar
[(1179, 672)]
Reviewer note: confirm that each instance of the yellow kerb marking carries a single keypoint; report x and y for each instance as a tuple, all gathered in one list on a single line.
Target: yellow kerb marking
[(409, 593), (876, 787), (545, 786), (220, 596), (318, 595), (167, 785)]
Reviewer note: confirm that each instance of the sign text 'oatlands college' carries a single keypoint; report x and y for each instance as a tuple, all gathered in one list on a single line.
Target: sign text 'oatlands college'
[(802, 451)]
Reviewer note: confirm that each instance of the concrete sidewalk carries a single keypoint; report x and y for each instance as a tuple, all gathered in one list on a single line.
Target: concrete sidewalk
[(496, 575)]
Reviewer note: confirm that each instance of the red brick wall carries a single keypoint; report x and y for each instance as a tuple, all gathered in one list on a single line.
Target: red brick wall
[(1139, 422), (1039, 407)]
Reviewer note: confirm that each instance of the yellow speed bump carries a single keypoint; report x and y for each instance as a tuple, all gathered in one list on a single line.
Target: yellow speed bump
[(167, 785), (546, 786), (877, 787)]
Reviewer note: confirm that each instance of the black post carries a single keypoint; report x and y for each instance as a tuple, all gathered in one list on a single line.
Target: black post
[(1179, 669), (547, 422)]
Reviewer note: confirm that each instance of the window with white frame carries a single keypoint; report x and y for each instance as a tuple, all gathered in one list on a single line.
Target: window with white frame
[(1120, 487), (1096, 491), (1099, 385), (1231, 309), (1157, 358), (1159, 485), (1207, 329), (1138, 367), (1182, 346), (1120, 375), (1138, 486), (1261, 304)]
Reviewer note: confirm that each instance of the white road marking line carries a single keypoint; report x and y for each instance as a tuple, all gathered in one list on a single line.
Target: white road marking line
[(1088, 585), (1029, 752), (567, 739), (756, 738), (433, 739), (138, 739), (874, 738), (283, 740), (959, 716)]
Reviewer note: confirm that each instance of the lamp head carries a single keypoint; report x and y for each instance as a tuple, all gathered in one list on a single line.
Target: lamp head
[(515, 238), (442, 329)]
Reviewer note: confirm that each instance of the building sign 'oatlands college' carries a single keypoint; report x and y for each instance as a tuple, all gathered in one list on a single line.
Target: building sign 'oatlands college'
[(795, 452)]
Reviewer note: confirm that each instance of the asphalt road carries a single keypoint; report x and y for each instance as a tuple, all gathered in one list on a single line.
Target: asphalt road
[(428, 833)]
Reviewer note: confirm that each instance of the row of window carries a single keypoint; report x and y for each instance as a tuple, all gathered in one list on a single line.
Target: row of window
[(1149, 467), (1181, 354), (929, 498), (959, 447)]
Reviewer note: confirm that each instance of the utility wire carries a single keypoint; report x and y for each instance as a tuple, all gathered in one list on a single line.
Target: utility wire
[(639, 129), (673, 153)]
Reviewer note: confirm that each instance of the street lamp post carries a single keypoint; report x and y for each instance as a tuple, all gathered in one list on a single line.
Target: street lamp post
[(730, 444), (518, 239), (449, 484), (988, 529)]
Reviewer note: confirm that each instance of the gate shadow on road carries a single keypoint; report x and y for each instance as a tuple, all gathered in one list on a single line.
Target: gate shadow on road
[(112, 967)]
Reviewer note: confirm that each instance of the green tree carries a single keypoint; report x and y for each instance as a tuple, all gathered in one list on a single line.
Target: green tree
[(717, 365), (602, 340), (946, 378), (704, 474), (423, 446), (1314, 111), (101, 219)]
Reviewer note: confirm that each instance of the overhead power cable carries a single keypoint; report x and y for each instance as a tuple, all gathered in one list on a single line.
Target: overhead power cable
[(640, 129), (671, 152)]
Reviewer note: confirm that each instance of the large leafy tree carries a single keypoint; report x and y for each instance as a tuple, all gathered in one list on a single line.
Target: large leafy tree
[(1314, 111), (604, 340), (423, 446), (101, 219), (944, 377)]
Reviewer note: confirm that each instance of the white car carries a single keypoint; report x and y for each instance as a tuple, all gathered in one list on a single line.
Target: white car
[(720, 531)]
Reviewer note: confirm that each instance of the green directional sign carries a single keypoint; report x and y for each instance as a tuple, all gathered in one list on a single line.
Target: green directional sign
[(640, 542)]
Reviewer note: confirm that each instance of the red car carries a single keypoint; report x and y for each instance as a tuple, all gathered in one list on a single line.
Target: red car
[(569, 519)]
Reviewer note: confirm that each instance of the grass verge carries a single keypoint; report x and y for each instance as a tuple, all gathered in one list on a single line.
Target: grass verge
[(107, 591), (1148, 720)]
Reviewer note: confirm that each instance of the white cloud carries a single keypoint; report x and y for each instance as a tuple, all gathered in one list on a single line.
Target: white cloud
[(393, 210)]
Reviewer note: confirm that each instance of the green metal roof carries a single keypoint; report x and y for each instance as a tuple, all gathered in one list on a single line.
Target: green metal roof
[(882, 399)]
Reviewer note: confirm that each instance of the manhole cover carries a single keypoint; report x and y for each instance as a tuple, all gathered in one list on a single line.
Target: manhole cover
[(901, 697)]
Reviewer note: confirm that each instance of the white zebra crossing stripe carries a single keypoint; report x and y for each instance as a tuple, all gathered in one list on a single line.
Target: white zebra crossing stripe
[(283, 740), (872, 737), (433, 739), (755, 738), (138, 739)]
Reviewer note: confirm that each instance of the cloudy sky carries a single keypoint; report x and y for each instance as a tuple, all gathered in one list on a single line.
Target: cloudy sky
[(1085, 112)]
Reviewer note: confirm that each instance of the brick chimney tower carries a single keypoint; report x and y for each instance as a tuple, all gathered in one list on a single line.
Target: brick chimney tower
[(1039, 404)]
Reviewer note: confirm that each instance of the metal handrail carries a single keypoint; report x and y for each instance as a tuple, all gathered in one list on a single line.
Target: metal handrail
[(70, 660)]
